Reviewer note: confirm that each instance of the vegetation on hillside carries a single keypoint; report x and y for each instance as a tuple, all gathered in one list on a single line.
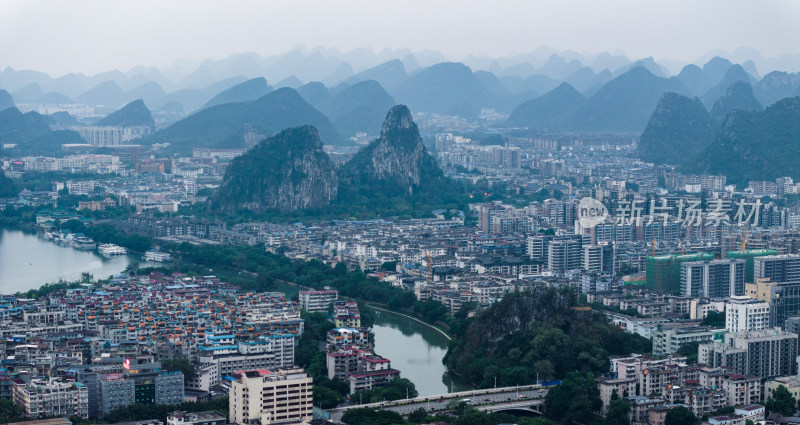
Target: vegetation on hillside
[(7, 188), (679, 128), (536, 333), (754, 145)]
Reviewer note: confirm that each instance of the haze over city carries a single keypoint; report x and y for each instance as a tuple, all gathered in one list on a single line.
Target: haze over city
[(92, 36)]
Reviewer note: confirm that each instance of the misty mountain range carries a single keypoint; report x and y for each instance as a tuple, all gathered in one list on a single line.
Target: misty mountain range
[(558, 94), (193, 84)]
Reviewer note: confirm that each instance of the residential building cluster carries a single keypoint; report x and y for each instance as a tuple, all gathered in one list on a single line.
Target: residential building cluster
[(89, 350)]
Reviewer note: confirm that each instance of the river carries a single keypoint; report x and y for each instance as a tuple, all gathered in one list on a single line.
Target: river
[(28, 261), (415, 349)]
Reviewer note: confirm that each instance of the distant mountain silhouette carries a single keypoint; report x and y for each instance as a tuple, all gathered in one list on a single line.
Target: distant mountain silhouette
[(441, 87), (582, 79), (738, 97), (230, 125), (16, 127), (316, 94), (716, 68), (6, 101), (29, 93), (192, 99), (388, 74), (107, 93), (735, 73), (341, 73), (646, 63), (548, 112), (31, 132), (359, 108), (491, 82), (775, 86), (623, 104), (242, 92), (557, 67), (150, 92), (62, 119), (133, 114), (695, 80), (54, 98), (291, 82)]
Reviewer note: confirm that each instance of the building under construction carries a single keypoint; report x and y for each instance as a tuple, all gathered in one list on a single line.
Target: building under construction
[(664, 271), (748, 255)]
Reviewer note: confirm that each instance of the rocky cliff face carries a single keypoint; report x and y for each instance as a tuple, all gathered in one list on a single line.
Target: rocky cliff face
[(286, 172), (397, 156)]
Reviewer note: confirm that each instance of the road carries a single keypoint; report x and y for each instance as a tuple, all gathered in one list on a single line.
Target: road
[(439, 403)]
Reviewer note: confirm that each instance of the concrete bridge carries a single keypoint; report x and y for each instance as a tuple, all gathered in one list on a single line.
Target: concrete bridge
[(528, 398), (531, 406)]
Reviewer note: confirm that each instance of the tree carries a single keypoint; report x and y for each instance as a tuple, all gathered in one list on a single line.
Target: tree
[(781, 401), (325, 397), (396, 390), (418, 415), (680, 416), (574, 399), (690, 351), (715, 319), (9, 412), (371, 417), (618, 411)]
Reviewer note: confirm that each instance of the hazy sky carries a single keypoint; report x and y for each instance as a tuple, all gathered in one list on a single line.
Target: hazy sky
[(93, 36)]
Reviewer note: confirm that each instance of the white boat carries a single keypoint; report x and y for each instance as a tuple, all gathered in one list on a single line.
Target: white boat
[(109, 249), (83, 242), (48, 236), (154, 255)]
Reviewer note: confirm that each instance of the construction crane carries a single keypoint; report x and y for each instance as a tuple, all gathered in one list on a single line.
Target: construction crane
[(680, 242)]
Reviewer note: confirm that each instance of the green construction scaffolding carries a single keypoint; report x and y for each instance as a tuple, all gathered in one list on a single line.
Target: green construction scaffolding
[(748, 256), (664, 271)]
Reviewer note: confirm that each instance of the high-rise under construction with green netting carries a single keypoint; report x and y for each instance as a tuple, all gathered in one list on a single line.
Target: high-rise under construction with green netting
[(748, 255), (664, 271)]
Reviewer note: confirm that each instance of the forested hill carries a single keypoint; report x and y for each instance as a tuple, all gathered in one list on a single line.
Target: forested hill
[(754, 145), (540, 331)]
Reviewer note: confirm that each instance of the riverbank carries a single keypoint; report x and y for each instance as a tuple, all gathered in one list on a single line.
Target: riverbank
[(414, 319), (27, 262)]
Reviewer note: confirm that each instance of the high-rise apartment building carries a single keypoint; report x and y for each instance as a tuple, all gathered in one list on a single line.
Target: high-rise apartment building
[(712, 279), (778, 268), (270, 397), (44, 399), (743, 314)]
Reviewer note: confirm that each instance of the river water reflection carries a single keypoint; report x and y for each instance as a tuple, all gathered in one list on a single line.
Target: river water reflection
[(415, 349), (28, 261)]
